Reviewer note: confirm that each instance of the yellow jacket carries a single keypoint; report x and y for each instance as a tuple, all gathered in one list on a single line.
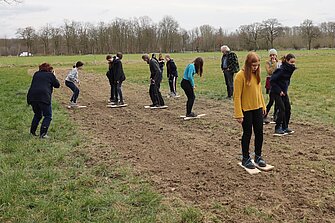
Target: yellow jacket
[(270, 67), (247, 97)]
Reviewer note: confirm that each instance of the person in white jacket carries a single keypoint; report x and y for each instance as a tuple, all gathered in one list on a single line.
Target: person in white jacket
[(71, 80)]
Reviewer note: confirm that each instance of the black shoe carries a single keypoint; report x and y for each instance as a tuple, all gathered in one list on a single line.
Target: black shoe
[(192, 114), (259, 161), (247, 163), (288, 131), (153, 105)]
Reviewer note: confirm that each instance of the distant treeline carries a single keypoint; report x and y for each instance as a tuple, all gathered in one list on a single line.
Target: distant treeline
[(140, 35)]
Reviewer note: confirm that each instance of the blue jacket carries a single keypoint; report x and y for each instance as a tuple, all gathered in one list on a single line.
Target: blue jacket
[(280, 79), (189, 73)]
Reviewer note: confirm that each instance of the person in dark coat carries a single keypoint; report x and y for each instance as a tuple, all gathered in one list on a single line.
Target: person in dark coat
[(172, 75), (119, 77), (110, 60), (280, 81), (155, 79), (39, 97)]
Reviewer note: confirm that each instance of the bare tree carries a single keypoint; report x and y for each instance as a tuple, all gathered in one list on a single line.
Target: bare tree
[(251, 35), (309, 32), (207, 37), (271, 29), (328, 28), (11, 1), (27, 34), (168, 33), (45, 35)]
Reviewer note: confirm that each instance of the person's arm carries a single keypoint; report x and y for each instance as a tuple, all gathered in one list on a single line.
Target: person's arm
[(238, 89), (190, 71), (55, 82), (270, 67)]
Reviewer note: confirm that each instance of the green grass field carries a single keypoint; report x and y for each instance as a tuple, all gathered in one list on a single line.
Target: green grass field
[(47, 181)]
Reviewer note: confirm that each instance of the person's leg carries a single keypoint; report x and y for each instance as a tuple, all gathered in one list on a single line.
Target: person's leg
[(74, 89), (174, 85), (112, 97), (159, 95), (37, 117), (287, 105), (188, 89), (119, 90), (226, 78), (257, 123), (47, 113), (231, 83), (281, 114), (270, 103), (246, 136), (152, 94)]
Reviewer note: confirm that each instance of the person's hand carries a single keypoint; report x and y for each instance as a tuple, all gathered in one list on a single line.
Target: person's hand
[(239, 120), (264, 113), (282, 93)]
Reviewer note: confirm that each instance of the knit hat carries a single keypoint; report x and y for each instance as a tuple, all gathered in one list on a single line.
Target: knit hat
[(273, 51)]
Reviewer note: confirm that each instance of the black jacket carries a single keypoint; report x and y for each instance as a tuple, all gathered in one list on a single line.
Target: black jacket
[(117, 70), (41, 87), (280, 79), (171, 69), (155, 71)]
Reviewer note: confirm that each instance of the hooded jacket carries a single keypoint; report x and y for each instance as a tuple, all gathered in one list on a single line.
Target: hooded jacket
[(280, 79), (117, 70)]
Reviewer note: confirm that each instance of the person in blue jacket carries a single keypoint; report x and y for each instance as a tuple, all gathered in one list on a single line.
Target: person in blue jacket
[(280, 81), (187, 84), (39, 97)]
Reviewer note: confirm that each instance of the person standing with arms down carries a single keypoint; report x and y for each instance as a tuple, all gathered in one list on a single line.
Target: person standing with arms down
[(110, 60), (229, 66), (271, 65), (280, 81), (155, 78), (249, 108), (187, 84), (39, 97), (119, 77), (172, 75), (71, 80)]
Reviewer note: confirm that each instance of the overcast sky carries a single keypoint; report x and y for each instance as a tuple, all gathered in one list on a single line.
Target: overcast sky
[(189, 13)]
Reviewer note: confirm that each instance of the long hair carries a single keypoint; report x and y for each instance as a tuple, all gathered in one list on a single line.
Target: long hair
[(252, 57), (287, 57), (198, 64)]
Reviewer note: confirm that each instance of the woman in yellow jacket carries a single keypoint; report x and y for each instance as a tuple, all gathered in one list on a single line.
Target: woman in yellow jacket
[(249, 108)]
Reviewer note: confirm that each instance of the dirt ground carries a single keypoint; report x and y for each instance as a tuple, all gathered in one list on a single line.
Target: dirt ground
[(196, 160)]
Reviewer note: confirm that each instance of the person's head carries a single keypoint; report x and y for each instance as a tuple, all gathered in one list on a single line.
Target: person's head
[(108, 57), (160, 56), (146, 58), (252, 66), (289, 58), (44, 67), (198, 64), (79, 65), (153, 55), (225, 49), (167, 57), (119, 55), (273, 54)]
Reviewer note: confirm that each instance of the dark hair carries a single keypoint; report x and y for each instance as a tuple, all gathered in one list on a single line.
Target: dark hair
[(44, 67), (119, 55), (252, 57), (108, 57), (78, 64), (287, 57), (198, 64)]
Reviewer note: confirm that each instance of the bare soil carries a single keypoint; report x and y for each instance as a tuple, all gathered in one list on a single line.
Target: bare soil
[(196, 160)]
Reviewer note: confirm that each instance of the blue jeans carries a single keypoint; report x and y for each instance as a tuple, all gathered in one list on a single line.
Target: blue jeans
[(74, 89), (41, 110)]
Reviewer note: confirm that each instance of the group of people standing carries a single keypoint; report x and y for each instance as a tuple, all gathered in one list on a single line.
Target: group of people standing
[(249, 106)]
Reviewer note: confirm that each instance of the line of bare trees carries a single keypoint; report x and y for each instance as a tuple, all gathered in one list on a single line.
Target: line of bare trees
[(140, 35)]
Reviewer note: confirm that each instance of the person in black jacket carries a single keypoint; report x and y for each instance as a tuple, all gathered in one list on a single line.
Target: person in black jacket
[(119, 77), (39, 97), (172, 75), (155, 78), (280, 81), (110, 60)]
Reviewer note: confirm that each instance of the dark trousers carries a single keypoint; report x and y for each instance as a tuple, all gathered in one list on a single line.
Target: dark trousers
[(270, 103), (155, 95), (284, 114), (112, 85), (41, 110), (118, 91), (252, 120), (229, 79), (173, 84), (74, 89), (189, 91)]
